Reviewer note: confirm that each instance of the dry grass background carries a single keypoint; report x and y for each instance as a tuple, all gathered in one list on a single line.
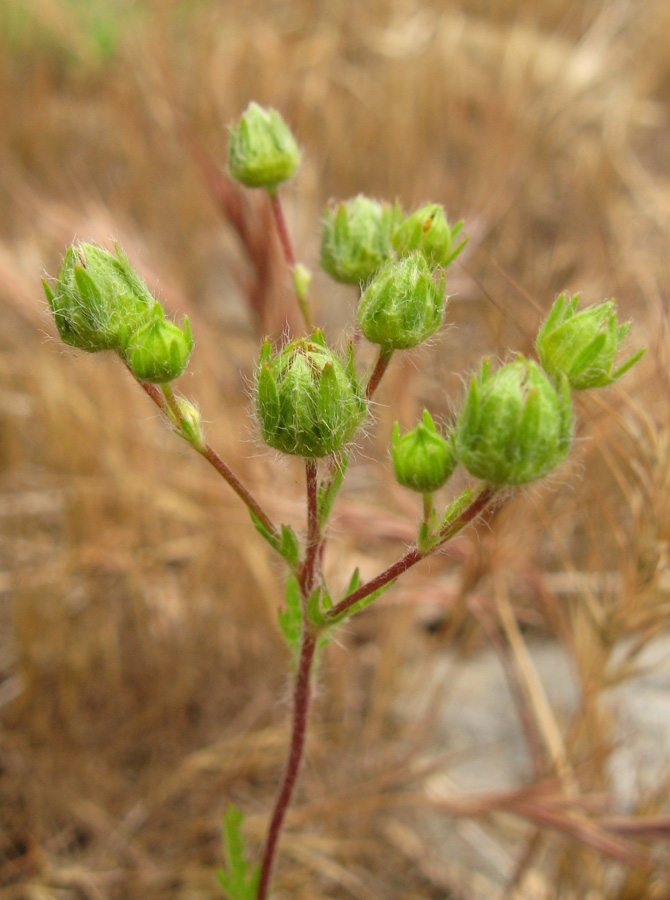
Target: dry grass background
[(143, 680)]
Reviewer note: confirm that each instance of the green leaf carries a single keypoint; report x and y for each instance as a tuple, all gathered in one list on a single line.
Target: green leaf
[(290, 546), (262, 530), (355, 582), (328, 494), (290, 618), (362, 604), (236, 879)]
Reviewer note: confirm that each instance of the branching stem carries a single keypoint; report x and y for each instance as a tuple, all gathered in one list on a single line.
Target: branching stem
[(167, 403), (413, 556)]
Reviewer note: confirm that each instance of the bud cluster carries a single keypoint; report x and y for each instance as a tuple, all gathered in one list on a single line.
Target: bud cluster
[(516, 423), (100, 303)]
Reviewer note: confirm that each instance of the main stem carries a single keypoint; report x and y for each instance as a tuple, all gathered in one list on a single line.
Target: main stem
[(301, 698), (302, 690)]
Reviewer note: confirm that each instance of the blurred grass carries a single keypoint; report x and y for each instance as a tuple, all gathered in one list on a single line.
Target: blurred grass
[(139, 656)]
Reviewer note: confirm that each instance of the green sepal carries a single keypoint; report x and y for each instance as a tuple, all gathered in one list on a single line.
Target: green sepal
[(627, 365), (51, 297), (266, 352), (89, 292), (329, 393), (459, 247), (268, 397), (318, 338), (290, 618), (588, 355), (237, 879)]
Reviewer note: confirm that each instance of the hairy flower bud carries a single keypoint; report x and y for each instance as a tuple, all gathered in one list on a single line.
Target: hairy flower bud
[(515, 426), (262, 151), (356, 238), (309, 402), (98, 299), (422, 459), (159, 351), (427, 230), (582, 345), (401, 306)]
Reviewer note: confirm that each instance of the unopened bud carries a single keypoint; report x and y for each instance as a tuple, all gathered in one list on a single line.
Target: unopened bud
[(515, 426), (582, 345), (422, 459), (402, 306), (309, 402), (356, 238), (98, 299), (262, 152), (159, 351), (427, 230)]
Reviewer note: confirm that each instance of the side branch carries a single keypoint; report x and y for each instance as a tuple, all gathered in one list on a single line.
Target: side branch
[(282, 230), (214, 460), (413, 556)]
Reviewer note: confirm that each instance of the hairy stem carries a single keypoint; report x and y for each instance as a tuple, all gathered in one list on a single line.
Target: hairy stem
[(301, 698), (377, 373), (313, 530), (301, 694), (289, 253), (282, 230), (413, 556), (167, 404)]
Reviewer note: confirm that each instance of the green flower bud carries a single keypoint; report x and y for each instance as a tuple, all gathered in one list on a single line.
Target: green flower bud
[(159, 351), (262, 151), (190, 424), (309, 402), (302, 281), (427, 230), (401, 306), (356, 238), (582, 345), (422, 459), (98, 299), (515, 426)]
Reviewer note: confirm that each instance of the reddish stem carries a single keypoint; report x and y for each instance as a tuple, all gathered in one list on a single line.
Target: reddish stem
[(283, 231), (377, 373), (213, 459), (313, 532), (301, 695), (413, 556), (301, 698)]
